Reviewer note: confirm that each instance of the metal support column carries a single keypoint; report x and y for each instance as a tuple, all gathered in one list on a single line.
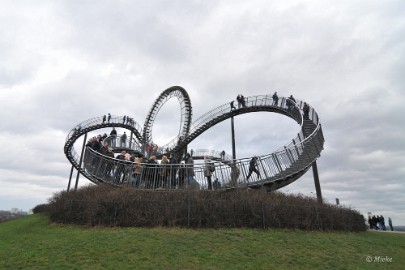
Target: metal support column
[(70, 178), (234, 174), (130, 139), (81, 160), (317, 184), (233, 139)]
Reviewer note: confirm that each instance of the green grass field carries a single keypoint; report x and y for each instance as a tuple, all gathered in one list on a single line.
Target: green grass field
[(32, 242)]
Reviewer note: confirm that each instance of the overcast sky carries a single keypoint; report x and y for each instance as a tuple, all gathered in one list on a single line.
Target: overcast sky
[(63, 62)]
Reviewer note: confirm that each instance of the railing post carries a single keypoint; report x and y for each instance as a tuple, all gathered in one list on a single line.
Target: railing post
[(233, 139), (130, 139), (296, 148), (289, 155), (81, 160), (277, 162), (264, 169)]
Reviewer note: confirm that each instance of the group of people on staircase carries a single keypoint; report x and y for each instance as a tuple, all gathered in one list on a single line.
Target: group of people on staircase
[(140, 171)]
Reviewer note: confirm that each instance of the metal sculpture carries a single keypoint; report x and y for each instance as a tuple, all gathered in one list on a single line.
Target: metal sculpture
[(276, 169)]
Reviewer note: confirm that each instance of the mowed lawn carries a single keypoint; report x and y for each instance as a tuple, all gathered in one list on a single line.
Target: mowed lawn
[(32, 242)]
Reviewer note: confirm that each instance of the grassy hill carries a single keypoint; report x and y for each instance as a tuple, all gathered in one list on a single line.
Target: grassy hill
[(31, 242)]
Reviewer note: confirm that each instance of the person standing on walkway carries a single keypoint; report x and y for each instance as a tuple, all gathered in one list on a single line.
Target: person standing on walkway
[(243, 101), (232, 105), (275, 99), (222, 155), (209, 168), (173, 170), (113, 134), (253, 168), (124, 139), (291, 102), (239, 100), (306, 110), (189, 169)]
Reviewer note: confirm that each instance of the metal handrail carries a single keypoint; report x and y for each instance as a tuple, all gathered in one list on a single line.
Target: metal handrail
[(251, 101), (271, 168), (116, 142), (213, 154), (99, 121)]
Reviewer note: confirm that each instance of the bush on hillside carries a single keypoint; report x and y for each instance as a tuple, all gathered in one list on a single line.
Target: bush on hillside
[(40, 208), (106, 206)]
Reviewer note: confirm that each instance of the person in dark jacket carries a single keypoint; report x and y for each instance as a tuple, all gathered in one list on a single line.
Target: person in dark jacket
[(151, 173), (113, 134), (306, 110), (209, 168), (390, 223), (189, 169), (96, 145), (173, 170), (253, 167), (290, 102), (275, 99), (124, 139)]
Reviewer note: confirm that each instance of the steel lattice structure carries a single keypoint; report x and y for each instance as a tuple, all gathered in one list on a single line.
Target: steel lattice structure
[(186, 113), (277, 169)]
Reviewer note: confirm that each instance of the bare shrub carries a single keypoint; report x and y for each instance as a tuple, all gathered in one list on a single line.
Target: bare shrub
[(127, 207)]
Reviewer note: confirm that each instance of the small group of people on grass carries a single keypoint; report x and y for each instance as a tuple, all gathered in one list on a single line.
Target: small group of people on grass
[(378, 223)]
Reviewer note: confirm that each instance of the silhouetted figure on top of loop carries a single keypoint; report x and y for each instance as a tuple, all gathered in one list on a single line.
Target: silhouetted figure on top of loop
[(243, 101), (306, 110), (275, 99), (125, 118), (104, 119), (239, 100), (109, 118), (129, 120), (222, 154), (232, 106)]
